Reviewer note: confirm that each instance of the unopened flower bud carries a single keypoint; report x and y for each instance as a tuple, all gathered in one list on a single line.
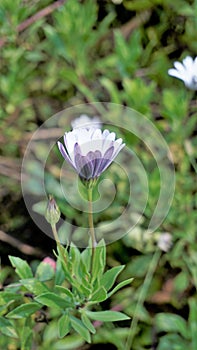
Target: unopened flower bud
[(50, 262), (52, 212)]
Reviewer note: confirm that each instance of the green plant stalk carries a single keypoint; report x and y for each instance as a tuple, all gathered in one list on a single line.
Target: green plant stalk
[(55, 234), (142, 296), (91, 225)]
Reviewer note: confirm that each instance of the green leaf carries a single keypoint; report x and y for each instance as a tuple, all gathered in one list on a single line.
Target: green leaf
[(80, 328), (173, 342), (107, 316), (7, 328), (193, 321), (64, 325), (86, 259), (120, 285), (88, 323), (110, 276), (26, 337), (5, 272), (68, 270), (59, 273), (171, 323), (70, 342), (99, 295), (24, 310), (23, 270), (112, 89), (6, 297), (84, 268), (65, 291), (53, 300), (64, 260), (74, 256), (44, 272), (99, 261), (34, 286)]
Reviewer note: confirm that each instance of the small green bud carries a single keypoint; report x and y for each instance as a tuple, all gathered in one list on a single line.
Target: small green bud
[(52, 214)]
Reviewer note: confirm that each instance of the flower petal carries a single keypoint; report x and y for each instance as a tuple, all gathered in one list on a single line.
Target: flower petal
[(84, 166), (188, 62), (175, 73), (106, 160), (64, 154), (179, 66), (90, 151)]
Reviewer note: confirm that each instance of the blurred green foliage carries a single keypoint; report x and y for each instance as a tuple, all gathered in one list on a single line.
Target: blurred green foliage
[(86, 51)]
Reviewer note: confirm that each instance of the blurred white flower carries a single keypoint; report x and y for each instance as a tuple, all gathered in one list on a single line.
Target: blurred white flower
[(165, 241), (117, 2), (90, 151), (186, 71), (86, 122)]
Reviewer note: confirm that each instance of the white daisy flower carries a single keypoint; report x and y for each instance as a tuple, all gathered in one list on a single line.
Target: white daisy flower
[(186, 71), (84, 121), (90, 151)]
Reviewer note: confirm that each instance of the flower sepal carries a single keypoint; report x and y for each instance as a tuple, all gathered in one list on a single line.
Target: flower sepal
[(89, 184)]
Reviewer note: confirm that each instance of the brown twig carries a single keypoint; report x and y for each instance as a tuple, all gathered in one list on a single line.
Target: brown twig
[(10, 167), (22, 247), (134, 23), (40, 14)]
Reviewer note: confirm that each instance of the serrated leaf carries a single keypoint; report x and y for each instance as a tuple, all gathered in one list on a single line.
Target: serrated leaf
[(120, 285), (53, 300), (88, 323), (64, 325), (99, 296), (110, 276), (23, 270), (107, 316), (24, 310), (80, 328), (7, 328)]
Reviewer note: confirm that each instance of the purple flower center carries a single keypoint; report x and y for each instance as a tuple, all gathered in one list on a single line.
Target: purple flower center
[(93, 164)]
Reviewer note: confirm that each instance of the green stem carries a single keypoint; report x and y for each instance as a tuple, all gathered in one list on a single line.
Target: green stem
[(55, 234), (60, 249), (142, 296), (91, 225)]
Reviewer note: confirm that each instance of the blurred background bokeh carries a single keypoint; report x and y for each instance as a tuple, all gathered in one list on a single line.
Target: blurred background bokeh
[(58, 54)]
